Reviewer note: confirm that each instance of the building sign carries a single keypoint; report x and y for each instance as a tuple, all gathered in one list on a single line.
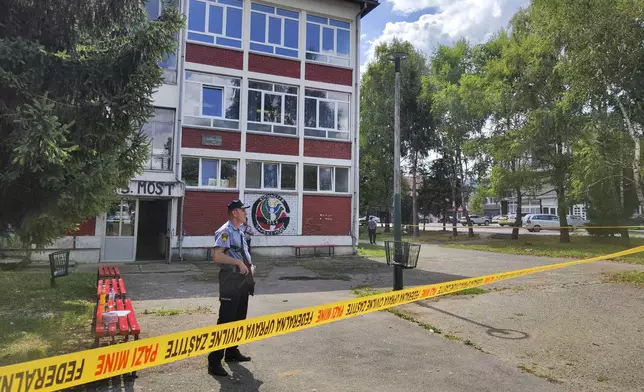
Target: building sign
[(211, 140), (272, 214), (153, 188)]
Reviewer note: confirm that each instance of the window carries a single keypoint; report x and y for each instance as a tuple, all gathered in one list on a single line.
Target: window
[(215, 22), (270, 175), (160, 131), (327, 40), (326, 114), (154, 9), (272, 108), (211, 101), (326, 179), (209, 173), (274, 30)]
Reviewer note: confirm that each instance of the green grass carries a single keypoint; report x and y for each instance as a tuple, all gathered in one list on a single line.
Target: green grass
[(549, 246), (633, 277), (424, 236), (39, 321), (175, 312), (369, 250)]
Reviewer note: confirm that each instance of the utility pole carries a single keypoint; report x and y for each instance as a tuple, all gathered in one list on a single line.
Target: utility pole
[(398, 269)]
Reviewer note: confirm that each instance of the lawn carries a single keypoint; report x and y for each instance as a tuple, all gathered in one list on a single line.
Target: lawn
[(549, 246), (39, 321), (369, 250), (428, 236)]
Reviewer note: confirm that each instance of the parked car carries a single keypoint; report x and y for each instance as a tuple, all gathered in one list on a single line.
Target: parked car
[(508, 220), (576, 220), (495, 219), (476, 220), (363, 220)]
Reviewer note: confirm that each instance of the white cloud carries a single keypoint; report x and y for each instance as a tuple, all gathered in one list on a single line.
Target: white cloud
[(475, 20), (362, 37)]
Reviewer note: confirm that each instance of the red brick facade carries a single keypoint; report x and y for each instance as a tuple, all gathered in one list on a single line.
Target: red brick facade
[(273, 65), (205, 212), (269, 144), (191, 137), (84, 229), (327, 149), (326, 215), (326, 74), (210, 55)]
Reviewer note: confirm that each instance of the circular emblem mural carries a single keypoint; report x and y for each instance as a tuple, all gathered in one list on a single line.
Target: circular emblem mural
[(270, 214)]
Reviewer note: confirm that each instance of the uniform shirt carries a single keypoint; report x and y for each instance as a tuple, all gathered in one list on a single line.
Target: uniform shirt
[(227, 236)]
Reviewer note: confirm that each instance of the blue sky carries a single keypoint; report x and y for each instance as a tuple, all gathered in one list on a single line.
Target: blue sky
[(427, 23)]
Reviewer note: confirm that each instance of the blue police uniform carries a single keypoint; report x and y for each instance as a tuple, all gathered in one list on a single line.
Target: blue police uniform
[(234, 287)]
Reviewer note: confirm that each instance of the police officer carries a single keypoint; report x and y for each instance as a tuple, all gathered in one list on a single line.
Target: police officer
[(236, 281)]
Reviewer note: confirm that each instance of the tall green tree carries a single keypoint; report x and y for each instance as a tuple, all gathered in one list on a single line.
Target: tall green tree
[(377, 92), (76, 82)]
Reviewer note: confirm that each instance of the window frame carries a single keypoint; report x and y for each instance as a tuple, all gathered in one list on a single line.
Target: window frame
[(213, 85), (335, 28), (217, 39), (219, 167), (335, 117), (170, 154), (279, 176), (283, 108), (170, 72), (333, 178), (254, 46)]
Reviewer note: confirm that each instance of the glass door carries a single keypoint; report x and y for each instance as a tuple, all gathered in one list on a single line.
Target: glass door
[(120, 231)]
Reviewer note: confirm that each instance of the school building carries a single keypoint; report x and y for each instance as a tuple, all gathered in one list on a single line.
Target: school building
[(259, 103)]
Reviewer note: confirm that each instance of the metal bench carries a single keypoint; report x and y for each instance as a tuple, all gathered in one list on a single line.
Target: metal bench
[(298, 249)]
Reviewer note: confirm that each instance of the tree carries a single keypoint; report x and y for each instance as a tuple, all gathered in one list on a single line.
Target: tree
[(76, 83), (435, 194), (454, 88), (377, 123), (604, 58)]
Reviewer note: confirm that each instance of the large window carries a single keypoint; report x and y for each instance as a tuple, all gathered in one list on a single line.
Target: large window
[(326, 179), (154, 9), (274, 30), (271, 175), (326, 114), (160, 131), (209, 173), (272, 108), (215, 22), (211, 101), (327, 40)]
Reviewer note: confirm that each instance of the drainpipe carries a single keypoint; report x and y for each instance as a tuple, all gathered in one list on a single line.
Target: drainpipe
[(181, 81), (355, 230)]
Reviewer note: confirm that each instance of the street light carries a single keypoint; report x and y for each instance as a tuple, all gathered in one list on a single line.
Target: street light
[(397, 57)]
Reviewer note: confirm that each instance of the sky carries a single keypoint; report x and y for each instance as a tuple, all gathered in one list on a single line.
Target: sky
[(426, 23)]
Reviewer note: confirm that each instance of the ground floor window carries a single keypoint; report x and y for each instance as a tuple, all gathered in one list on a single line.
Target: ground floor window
[(209, 172), (120, 219)]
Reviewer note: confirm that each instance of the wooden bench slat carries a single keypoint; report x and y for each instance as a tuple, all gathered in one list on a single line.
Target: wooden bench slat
[(131, 318), (117, 273), (100, 328), (115, 287), (111, 327), (99, 288), (123, 326), (122, 288)]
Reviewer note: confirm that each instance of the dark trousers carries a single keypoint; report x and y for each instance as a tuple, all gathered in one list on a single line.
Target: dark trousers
[(231, 309), (372, 236)]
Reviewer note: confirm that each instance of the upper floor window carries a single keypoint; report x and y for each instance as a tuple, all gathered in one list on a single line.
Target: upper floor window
[(326, 114), (270, 175), (154, 9), (327, 40), (211, 101), (159, 132), (326, 179), (209, 173), (215, 22), (274, 30), (272, 108)]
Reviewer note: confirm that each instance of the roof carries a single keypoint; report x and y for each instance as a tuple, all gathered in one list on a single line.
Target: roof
[(367, 5)]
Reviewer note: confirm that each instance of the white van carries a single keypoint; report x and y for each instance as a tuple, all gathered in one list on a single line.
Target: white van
[(537, 222)]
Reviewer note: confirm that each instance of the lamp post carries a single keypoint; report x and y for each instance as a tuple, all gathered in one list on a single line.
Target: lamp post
[(397, 57)]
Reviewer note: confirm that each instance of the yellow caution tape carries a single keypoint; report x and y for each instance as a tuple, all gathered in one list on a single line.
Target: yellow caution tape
[(65, 371)]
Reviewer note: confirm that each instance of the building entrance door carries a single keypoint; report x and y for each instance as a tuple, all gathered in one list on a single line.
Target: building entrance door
[(152, 231), (120, 231)]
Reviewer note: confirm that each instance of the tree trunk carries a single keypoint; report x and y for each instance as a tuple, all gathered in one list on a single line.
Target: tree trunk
[(634, 130), (564, 234), (444, 220), (470, 230), (387, 224), (454, 230), (414, 198), (518, 219)]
